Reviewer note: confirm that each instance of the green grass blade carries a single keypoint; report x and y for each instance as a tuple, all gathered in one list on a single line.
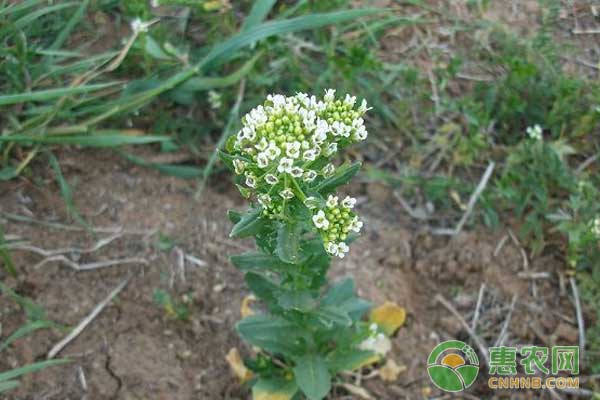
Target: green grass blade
[(5, 256), (180, 171), (260, 10), (73, 21), (207, 83), (15, 8), (44, 95), (24, 331), (8, 385), (65, 191), (30, 18), (228, 48), (107, 140), (14, 373)]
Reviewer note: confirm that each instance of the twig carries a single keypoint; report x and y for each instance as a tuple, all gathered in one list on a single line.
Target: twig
[(49, 253), (577, 31), (471, 205), (195, 260), (56, 225), (589, 161), (482, 349), (580, 321), (534, 275), (500, 245), (90, 266), (416, 213), (477, 307), (502, 335), (86, 321)]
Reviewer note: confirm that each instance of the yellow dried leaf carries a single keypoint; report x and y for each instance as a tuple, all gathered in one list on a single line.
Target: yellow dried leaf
[(389, 317), (245, 309), (390, 371), (237, 365)]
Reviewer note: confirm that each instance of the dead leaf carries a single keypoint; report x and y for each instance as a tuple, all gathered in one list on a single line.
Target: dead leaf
[(389, 316), (390, 371), (357, 391), (237, 365), (245, 309)]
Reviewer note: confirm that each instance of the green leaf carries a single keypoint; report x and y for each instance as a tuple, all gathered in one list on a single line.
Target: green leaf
[(270, 333), (65, 191), (13, 373), (339, 293), (180, 171), (288, 242), (250, 224), (24, 331), (349, 359), (356, 308), (234, 216), (50, 94), (274, 389), (297, 300), (256, 260), (340, 177), (8, 385), (258, 13), (8, 173), (331, 315), (312, 376), (264, 288), (100, 140)]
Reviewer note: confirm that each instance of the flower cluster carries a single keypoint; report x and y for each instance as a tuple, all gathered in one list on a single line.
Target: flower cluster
[(335, 222), (535, 132), (284, 149), (376, 342)]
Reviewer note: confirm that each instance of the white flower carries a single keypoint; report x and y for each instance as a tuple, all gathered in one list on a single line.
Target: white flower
[(535, 132), (328, 169), (342, 249), (137, 25), (264, 199), (320, 220), (360, 133), (310, 155), (273, 151), (331, 148), (239, 166), (296, 172), (285, 164), (332, 201), (250, 181), (286, 194), (329, 95), (363, 107), (292, 149), (350, 100), (310, 202), (262, 144), (271, 179), (332, 248), (214, 99), (379, 344), (321, 131), (373, 327), (249, 133), (348, 202), (262, 160), (310, 175), (356, 224)]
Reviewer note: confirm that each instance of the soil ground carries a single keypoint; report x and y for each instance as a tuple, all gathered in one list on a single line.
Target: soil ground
[(134, 350)]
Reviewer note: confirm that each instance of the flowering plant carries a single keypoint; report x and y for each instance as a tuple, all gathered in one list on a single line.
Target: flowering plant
[(308, 330)]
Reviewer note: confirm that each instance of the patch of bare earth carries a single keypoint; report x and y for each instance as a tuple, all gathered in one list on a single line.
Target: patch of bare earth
[(133, 350)]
